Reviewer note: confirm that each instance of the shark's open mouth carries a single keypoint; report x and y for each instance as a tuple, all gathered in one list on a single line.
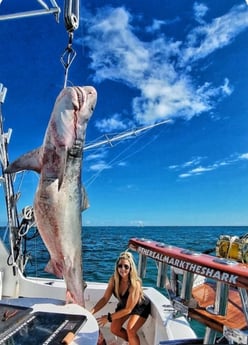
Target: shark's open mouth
[(80, 97)]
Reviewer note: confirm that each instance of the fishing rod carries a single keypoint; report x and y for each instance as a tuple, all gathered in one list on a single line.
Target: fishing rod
[(124, 135)]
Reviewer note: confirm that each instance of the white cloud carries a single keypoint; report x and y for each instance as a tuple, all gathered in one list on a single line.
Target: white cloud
[(99, 155), (96, 161), (207, 38), (199, 11), (111, 124), (139, 223), (162, 69), (116, 53), (156, 25), (244, 156), (227, 89), (122, 164), (185, 175), (193, 162), (99, 166), (199, 169)]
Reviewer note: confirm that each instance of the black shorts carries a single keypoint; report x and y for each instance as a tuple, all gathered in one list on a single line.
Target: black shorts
[(142, 309)]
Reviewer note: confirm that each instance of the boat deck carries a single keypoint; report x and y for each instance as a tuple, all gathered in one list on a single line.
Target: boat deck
[(112, 340), (109, 337), (205, 296)]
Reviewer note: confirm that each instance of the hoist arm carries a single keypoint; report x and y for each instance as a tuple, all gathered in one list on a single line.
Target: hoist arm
[(55, 9)]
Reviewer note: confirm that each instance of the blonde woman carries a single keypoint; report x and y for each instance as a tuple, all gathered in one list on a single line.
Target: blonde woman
[(132, 304)]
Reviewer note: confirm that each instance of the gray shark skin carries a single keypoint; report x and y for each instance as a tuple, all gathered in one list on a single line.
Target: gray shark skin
[(59, 198)]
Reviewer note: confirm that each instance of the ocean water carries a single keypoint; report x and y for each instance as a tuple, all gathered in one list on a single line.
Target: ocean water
[(102, 245)]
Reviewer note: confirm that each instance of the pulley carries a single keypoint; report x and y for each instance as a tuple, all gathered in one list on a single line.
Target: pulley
[(71, 19), (71, 15)]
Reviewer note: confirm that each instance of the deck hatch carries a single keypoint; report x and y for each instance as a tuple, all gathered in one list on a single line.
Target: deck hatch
[(37, 328)]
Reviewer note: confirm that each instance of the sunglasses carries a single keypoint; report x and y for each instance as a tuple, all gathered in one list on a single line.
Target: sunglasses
[(124, 266)]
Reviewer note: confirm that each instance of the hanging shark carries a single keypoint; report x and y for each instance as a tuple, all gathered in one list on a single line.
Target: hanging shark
[(59, 198)]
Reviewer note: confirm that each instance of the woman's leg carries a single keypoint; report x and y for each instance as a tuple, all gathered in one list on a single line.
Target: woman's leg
[(134, 324), (117, 329)]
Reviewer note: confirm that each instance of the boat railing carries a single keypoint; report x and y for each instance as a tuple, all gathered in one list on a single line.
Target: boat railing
[(180, 271)]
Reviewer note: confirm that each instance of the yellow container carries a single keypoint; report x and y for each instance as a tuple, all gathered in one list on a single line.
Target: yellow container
[(232, 247)]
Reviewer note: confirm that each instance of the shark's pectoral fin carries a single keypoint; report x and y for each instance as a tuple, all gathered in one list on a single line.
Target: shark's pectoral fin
[(85, 201), (54, 268), (29, 161)]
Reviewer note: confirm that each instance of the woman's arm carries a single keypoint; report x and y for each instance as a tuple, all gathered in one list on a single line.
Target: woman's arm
[(106, 297)]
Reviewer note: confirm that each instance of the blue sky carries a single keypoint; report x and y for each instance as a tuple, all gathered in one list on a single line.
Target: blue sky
[(184, 61)]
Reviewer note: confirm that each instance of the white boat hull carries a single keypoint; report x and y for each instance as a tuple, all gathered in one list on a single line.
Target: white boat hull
[(42, 294)]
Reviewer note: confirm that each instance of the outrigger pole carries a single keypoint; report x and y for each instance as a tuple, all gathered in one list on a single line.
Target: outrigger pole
[(17, 229), (7, 181), (71, 13), (124, 135), (45, 10)]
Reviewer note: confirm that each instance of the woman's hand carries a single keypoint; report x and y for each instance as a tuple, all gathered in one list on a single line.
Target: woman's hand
[(102, 320)]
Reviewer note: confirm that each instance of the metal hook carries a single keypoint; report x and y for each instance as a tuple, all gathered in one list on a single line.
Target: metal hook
[(71, 19), (67, 57)]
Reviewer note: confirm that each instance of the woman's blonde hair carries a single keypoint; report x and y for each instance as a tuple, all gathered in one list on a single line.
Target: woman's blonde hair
[(133, 274)]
